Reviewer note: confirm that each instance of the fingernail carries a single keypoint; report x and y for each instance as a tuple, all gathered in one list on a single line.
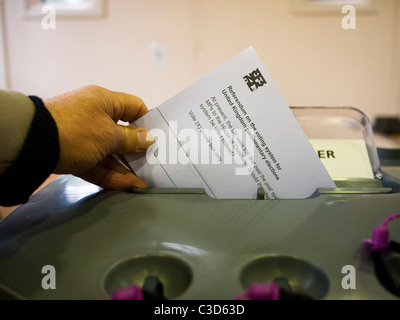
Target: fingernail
[(140, 184), (144, 140), (134, 181)]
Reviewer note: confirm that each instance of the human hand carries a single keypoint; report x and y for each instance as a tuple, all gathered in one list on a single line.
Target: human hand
[(89, 135)]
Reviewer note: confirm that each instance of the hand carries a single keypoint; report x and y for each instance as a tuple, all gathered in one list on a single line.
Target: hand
[(89, 135)]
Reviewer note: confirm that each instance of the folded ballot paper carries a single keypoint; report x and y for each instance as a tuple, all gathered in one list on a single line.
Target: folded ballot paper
[(230, 133)]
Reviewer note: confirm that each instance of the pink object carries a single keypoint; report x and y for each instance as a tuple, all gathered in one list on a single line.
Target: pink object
[(380, 238), (268, 291), (380, 235), (129, 293)]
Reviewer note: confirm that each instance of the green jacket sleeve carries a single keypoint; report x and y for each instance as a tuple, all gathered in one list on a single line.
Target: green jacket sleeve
[(29, 146)]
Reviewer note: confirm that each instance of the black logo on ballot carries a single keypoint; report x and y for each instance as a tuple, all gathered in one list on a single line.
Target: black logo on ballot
[(254, 80)]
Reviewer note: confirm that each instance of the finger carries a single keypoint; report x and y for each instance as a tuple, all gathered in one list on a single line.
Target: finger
[(111, 179), (123, 160), (110, 174), (132, 140), (126, 107), (114, 163)]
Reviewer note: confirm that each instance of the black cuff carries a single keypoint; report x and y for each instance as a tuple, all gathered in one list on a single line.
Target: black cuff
[(36, 161)]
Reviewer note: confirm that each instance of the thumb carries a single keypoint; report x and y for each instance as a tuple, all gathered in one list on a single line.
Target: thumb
[(132, 140)]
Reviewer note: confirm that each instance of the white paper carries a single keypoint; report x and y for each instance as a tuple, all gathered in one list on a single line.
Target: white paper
[(230, 133)]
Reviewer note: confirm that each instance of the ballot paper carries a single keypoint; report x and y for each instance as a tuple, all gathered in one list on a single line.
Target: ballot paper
[(230, 133)]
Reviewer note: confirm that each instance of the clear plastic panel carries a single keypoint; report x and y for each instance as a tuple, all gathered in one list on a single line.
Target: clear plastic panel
[(339, 123)]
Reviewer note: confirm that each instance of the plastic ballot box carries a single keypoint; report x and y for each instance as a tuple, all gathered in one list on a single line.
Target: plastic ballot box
[(73, 240)]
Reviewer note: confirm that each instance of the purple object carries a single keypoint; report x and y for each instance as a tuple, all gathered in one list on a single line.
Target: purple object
[(380, 236), (129, 293), (270, 291)]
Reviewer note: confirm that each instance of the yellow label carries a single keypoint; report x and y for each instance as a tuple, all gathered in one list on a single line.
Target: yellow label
[(344, 158)]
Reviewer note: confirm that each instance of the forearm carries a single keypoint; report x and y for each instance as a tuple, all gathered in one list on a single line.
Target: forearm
[(16, 114), (29, 146), (75, 133)]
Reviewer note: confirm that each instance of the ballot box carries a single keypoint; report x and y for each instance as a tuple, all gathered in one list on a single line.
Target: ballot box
[(73, 240)]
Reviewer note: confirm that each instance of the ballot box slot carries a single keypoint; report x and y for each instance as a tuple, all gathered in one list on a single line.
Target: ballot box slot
[(357, 186), (173, 191), (388, 184), (343, 186)]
